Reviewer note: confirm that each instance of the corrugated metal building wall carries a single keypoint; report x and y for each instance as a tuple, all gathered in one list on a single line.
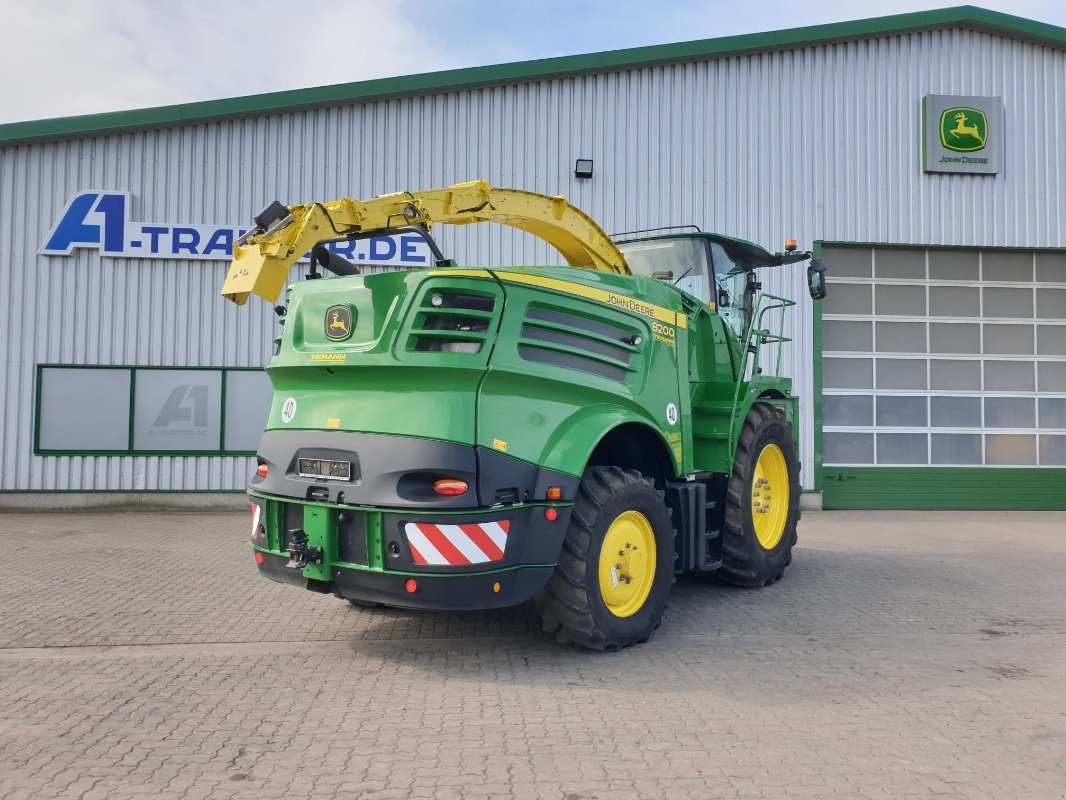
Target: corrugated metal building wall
[(817, 142)]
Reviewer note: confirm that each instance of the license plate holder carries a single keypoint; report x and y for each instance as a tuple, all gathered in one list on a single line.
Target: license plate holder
[(324, 469)]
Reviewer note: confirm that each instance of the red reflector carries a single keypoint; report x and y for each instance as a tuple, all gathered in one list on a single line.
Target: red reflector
[(450, 486), (551, 514), (258, 558), (410, 586), (261, 470)]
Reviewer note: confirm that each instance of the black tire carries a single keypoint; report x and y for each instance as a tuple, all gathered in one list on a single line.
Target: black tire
[(746, 562), (572, 605)]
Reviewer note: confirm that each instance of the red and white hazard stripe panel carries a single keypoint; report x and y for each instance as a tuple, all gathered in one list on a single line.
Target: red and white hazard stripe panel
[(455, 545)]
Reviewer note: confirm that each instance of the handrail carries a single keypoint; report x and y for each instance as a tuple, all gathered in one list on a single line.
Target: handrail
[(754, 339)]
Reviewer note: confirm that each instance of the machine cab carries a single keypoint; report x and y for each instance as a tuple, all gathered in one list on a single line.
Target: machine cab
[(701, 265)]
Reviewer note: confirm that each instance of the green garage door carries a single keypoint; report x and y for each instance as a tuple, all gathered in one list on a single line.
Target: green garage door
[(943, 378)]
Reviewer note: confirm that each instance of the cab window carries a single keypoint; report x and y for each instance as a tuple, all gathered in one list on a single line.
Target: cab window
[(731, 286), (682, 262)]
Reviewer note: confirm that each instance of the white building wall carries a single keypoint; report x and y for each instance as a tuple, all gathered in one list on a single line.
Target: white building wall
[(816, 143)]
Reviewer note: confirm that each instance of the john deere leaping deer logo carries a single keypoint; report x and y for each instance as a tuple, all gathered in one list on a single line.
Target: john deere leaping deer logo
[(963, 129), (338, 323)]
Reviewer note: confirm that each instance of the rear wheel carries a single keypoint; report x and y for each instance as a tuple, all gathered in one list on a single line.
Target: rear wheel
[(762, 500), (616, 566)]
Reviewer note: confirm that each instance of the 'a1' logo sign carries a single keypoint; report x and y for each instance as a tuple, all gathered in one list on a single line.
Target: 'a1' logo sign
[(91, 219), (101, 221)]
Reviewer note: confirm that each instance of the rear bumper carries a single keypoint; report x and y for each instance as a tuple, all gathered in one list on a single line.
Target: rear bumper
[(430, 592), (474, 559)]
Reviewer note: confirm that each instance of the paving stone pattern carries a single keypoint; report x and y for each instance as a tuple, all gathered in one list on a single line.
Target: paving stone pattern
[(904, 655)]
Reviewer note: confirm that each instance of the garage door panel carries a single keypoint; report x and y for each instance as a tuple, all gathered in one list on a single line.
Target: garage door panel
[(954, 338), (903, 300), (899, 263), (1051, 267), (1013, 449), (844, 336), (1051, 376), (1000, 339), (848, 373), (1053, 450), (955, 412), (848, 410), (902, 412), (853, 262), (900, 337), (902, 449), (1052, 412), (1008, 303), (1010, 412), (953, 265), (965, 370), (954, 374), (1006, 266), (902, 373), (1002, 375), (850, 299), (954, 301), (962, 449), (848, 447), (1051, 340), (1051, 303)]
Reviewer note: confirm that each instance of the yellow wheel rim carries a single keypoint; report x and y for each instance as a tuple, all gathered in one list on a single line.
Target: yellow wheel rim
[(627, 564), (769, 496)]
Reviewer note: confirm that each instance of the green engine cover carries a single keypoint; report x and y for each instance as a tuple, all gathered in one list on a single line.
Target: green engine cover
[(537, 363)]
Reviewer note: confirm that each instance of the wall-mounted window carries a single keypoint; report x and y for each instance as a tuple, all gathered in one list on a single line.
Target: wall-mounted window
[(115, 410)]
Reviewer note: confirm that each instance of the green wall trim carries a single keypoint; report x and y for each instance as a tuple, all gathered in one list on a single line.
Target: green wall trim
[(817, 391), (944, 487), (967, 17), (907, 246)]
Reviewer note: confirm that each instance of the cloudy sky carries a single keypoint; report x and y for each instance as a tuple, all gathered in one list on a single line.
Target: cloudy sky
[(67, 57)]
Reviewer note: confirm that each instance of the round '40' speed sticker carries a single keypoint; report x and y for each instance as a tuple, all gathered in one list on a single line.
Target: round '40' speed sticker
[(671, 414), (288, 411)]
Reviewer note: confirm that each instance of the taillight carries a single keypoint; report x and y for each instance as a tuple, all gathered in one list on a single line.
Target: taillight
[(261, 470), (450, 487)]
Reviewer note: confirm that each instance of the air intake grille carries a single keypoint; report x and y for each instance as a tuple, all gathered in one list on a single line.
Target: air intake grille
[(550, 336), (452, 322)]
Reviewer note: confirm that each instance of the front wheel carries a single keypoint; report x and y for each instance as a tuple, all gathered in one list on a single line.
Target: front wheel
[(762, 500), (616, 566)]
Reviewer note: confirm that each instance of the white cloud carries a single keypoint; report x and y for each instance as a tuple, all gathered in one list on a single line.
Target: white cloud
[(65, 57)]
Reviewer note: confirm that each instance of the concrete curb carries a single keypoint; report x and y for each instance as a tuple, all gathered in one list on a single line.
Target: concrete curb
[(37, 502)]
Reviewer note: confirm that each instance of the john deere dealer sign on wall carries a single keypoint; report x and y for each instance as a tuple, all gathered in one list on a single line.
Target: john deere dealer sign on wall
[(962, 134)]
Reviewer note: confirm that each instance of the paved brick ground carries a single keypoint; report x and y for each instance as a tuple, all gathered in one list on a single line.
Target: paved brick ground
[(904, 655)]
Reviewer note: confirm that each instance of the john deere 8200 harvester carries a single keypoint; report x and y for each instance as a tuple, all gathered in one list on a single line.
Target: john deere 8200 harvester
[(475, 437)]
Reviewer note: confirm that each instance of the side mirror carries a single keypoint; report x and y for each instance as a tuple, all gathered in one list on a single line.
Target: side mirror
[(816, 279)]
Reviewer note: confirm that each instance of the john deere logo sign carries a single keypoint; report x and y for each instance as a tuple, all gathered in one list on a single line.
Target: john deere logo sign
[(963, 129), (962, 134), (338, 323)]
